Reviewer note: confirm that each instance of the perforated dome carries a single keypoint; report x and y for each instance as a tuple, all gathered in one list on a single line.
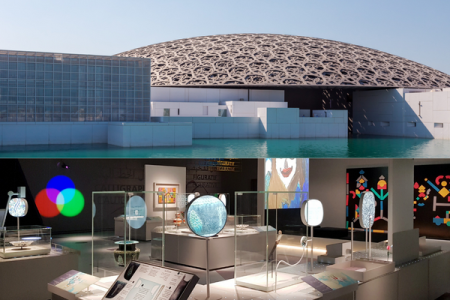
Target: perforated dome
[(281, 60)]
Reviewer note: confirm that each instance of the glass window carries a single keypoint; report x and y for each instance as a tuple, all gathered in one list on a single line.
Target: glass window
[(39, 75), (39, 67), (66, 68), (22, 74), (48, 100), (73, 76), (57, 68), (73, 93), (65, 101), (12, 74), (57, 109), (39, 100), (48, 67), (48, 76), (66, 76), (48, 92), (21, 66), (57, 76), (31, 100), (74, 69)]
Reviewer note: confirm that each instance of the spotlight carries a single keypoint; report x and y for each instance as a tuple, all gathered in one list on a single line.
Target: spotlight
[(62, 165)]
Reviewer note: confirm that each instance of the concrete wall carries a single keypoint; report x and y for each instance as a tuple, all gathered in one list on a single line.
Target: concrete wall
[(149, 134), (250, 108), (279, 123), (184, 109), (396, 112), (44, 133), (180, 94)]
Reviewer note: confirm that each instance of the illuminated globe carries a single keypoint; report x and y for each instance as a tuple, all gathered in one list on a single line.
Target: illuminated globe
[(206, 216)]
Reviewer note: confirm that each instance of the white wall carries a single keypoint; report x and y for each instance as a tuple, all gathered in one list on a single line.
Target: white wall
[(396, 112), (46, 133), (250, 108), (186, 109), (166, 175), (170, 94), (285, 123)]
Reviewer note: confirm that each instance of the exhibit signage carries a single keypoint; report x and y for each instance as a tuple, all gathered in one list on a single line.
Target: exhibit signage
[(141, 281)]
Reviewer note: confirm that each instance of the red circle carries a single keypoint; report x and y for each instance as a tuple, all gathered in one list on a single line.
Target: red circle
[(46, 207)]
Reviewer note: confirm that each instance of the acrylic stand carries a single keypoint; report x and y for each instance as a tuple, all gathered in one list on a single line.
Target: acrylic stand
[(208, 295)]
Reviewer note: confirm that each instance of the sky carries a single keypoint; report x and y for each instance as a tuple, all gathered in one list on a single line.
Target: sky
[(417, 30)]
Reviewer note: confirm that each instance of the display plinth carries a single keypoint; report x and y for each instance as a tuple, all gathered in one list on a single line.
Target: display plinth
[(263, 282), (26, 241)]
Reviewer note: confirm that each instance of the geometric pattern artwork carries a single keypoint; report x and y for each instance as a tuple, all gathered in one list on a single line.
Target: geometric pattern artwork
[(18, 207), (362, 183), (206, 216), (275, 59), (59, 197), (432, 200)]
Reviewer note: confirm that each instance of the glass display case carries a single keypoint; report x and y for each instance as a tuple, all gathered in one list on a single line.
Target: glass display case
[(122, 226), (268, 232), (186, 246), (26, 241)]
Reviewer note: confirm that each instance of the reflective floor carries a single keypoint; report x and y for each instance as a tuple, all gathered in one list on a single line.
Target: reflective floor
[(362, 147)]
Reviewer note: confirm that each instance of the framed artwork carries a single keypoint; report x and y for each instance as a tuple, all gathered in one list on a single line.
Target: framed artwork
[(168, 197), (360, 180)]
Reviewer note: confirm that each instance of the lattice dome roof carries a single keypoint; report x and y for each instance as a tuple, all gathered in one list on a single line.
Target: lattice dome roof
[(281, 60)]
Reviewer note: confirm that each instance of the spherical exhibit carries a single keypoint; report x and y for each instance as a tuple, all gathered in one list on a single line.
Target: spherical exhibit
[(367, 209), (280, 60), (312, 212), (18, 207), (136, 212), (206, 216)]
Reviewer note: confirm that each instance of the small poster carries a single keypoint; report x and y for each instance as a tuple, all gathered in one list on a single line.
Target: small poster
[(166, 195), (327, 282), (149, 282), (74, 281)]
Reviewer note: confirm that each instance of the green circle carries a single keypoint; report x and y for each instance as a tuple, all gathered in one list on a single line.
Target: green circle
[(74, 206), (448, 224)]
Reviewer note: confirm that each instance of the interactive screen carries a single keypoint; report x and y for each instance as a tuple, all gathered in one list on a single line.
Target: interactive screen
[(286, 174), (432, 200), (143, 281), (362, 180), (312, 212), (60, 197)]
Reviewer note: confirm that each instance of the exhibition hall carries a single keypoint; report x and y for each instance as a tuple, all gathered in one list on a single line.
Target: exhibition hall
[(268, 228)]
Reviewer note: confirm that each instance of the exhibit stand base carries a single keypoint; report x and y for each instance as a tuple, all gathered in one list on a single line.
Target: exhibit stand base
[(266, 283), (26, 251)]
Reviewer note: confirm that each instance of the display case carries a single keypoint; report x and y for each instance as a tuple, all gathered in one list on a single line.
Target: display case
[(202, 243), (261, 218), (121, 227), (26, 241)]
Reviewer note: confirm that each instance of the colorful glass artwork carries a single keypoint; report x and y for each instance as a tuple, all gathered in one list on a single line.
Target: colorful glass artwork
[(18, 207), (206, 216)]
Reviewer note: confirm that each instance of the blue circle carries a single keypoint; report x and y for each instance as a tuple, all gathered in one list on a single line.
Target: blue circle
[(206, 216), (136, 212), (60, 183)]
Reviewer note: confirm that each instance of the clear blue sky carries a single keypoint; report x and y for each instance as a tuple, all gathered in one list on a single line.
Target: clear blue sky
[(418, 30)]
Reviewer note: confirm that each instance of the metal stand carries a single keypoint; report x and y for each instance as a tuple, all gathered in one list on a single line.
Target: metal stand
[(351, 245), (208, 293)]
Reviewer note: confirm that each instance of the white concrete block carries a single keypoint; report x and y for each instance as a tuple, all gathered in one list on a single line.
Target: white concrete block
[(81, 134), (301, 130), (441, 116), (426, 96), (287, 115), (333, 130), (243, 130), (60, 133), (99, 133), (284, 131), (216, 130), (224, 120), (212, 95), (37, 134), (201, 130), (14, 134), (141, 136), (204, 120), (183, 135), (440, 100), (164, 135), (312, 120), (439, 133), (230, 131), (310, 130), (197, 95), (271, 114), (178, 94), (160, 94), (295, 131), (343, 130), (339, 120), (253, 130), (426, 112), (115, 134), (322, 130), (272, 131)]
